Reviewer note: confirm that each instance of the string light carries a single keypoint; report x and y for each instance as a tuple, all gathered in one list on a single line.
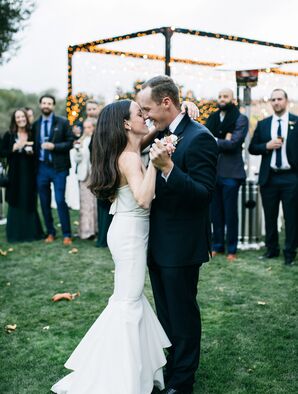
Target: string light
[(91, 47)]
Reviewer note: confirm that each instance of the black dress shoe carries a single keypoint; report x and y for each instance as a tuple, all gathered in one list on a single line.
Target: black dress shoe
[(155, 391), (269, 255), (171, 391), (289, 261)]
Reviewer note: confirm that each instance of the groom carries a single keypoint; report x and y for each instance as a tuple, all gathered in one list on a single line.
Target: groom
[(179, 240)]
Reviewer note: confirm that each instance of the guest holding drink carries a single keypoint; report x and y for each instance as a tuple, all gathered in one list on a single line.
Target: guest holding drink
[(23, 223), (275, 139), (88, 202)]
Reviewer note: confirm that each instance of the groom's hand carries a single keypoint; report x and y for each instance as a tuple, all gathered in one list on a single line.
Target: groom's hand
[(160, 157)]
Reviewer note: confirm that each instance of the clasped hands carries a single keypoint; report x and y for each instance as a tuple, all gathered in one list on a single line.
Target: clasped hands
[(48, 146), (160, 157)]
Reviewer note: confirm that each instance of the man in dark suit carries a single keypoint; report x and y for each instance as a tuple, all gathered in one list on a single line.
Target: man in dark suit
[(276, 139), (229, 127), (53, 139), (179, 240)]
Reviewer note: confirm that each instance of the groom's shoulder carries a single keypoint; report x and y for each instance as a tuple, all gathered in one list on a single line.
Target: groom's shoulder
[(197, 128)]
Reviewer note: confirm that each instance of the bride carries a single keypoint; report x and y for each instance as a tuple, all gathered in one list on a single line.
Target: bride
[(122, 353)]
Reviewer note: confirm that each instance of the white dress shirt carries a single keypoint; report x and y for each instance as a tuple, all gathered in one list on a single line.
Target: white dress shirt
[(222, 115), (284, 133), (172, 127)]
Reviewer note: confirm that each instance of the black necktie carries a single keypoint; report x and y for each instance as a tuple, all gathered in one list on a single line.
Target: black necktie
[(278, 151), (166, 132)]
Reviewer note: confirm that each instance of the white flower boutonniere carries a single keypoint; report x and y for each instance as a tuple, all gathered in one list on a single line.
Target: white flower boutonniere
[(292, 124), (170, 142)]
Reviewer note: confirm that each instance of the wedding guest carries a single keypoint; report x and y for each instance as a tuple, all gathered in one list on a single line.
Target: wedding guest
[(229, 127), (30, 114), (88, 204), (92, 108), (53, 141), (275, 138), (23, 223)]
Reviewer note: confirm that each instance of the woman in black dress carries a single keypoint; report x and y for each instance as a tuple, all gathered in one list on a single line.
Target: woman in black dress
[(23, 223)]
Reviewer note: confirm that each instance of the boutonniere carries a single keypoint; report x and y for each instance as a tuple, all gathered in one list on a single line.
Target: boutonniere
[(292, 124), (170, 142)]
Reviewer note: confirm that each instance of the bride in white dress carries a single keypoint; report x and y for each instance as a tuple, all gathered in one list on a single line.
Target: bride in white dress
[(122, 353)]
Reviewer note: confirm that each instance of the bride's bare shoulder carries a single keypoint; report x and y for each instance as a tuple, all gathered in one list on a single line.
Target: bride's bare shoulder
[(127, 157)]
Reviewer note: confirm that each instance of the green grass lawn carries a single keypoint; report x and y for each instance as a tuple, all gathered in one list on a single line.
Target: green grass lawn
[(249, 316)]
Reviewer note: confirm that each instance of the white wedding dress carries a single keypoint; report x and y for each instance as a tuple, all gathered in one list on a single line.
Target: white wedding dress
[(122, 353)]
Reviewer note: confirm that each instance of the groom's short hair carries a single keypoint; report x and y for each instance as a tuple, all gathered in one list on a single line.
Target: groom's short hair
[(163, 86)]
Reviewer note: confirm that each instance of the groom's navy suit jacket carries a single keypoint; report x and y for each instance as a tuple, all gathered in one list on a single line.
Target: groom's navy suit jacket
[(180, 219)]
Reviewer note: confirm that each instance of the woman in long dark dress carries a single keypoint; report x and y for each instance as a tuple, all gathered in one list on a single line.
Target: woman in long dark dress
[(23, 223)]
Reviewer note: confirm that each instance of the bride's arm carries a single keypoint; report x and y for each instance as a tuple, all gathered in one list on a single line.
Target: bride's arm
[(186, 106), (141, 185), (149, 138)]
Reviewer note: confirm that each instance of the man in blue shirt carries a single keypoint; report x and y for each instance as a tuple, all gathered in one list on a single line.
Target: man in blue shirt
[(53, 141)]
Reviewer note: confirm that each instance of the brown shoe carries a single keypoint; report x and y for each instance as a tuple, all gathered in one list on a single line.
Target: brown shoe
[(67, 241), (214, 253), (231, 257), (50, 238)]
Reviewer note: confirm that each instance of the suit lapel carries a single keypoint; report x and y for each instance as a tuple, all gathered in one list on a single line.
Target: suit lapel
[(181, 126), (268, 136), (292, 130), (37, 141), (292, 122)]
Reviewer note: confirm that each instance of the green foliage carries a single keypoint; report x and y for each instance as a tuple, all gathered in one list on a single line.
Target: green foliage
[(12, 99), (13, 17), (249, 315)]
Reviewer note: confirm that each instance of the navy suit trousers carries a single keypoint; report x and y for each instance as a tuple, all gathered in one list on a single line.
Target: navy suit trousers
[(224, 214)]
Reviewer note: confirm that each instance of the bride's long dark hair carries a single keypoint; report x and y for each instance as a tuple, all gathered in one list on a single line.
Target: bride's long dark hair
[(109, 141)]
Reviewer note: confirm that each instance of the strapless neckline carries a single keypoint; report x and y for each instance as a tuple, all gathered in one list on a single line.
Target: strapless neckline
[(125, 203)]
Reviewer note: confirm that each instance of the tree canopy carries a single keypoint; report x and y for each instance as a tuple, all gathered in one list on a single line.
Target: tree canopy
[(13, 17)]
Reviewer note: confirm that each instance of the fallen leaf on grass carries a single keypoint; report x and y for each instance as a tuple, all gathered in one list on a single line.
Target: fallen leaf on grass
[(73, 251), (8, 284), (269, 269), (262, 303), (46, 328), (10, 328), (3, 252), (10, 250), (76, 223), (65, 296)]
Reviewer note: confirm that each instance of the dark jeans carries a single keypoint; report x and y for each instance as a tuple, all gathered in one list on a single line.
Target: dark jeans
[(281, 187), (46, 175), (224, 214)]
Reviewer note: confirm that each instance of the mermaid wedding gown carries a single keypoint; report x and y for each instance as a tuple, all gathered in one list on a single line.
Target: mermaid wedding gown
[(122, 353)]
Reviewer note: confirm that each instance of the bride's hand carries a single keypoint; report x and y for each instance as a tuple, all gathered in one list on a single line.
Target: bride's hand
[(191, 109)]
